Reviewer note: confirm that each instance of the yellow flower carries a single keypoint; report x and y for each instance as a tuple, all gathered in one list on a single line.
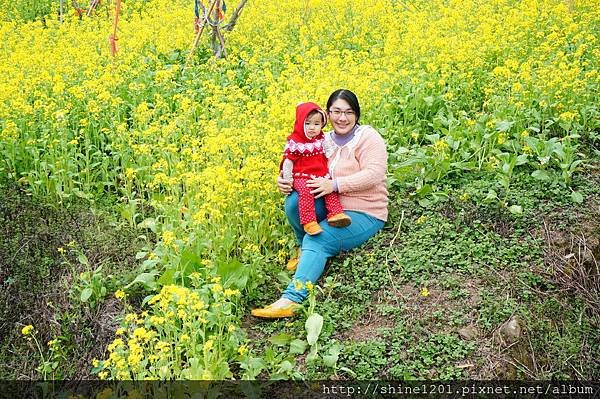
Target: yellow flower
[(130, 173), (568, 116), (424, 291), (298, 285), (61, 250), (195, 276), (208, 345), (421, 219), (28, 329), (115, 344), (120, 294), (309, 286), (242, 350), (230, 292), (162, 346), (168, 237), (464, 196), (440, 145), (501, 138), (217, 288), (231, 328)]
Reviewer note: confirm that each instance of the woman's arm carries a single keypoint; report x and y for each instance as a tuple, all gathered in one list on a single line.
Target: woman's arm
[(372, 160)]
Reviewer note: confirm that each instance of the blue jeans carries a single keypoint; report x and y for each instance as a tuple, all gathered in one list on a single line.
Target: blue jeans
[(333, 240)]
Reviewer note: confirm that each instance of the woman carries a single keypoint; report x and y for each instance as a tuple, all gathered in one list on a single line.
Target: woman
[(357, 164)]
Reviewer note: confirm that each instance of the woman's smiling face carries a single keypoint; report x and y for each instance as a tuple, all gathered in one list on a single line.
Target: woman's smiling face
[(342, 117)]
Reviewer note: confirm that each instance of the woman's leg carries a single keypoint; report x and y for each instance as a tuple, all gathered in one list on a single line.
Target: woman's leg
[(333, 240), (293, 217)]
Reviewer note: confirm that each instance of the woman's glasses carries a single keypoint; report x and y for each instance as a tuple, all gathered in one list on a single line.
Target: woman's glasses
[(338, 112)]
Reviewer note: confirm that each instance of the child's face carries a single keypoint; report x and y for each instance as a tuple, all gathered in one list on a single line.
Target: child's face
[(313, 125)]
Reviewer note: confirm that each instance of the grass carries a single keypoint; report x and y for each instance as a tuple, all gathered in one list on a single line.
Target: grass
[(42, 284), (428, 297)]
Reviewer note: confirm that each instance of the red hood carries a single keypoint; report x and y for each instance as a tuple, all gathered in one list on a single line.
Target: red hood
[(302, 111)]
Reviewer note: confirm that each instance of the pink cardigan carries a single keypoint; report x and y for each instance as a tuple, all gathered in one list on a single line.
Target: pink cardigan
[(359, 168)]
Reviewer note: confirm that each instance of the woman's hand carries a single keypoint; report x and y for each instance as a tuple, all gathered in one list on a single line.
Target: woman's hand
[(284, 185), (321, 186)]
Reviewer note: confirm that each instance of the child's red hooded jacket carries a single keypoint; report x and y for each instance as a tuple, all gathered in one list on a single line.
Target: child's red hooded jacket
[(307, 154)]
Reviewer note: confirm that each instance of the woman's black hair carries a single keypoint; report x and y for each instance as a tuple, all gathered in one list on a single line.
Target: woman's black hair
[(349, 97)]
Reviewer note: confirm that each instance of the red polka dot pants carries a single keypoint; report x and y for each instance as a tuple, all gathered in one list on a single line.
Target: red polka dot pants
[(306, 202)]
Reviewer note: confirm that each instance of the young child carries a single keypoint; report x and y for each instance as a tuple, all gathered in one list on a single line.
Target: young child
[(304, 159)]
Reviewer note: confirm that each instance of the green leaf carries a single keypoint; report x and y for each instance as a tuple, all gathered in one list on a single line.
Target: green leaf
[(298, 346), (140, 255), (168, 277), (332, 357), (425, 203), (424, 191), (188, 263), (312, 355), (432, 137), (86, 294), (285, 367), (504, 126), (350, 372), (516, 209), (522, 159), (577, 197), (148, 223), (280, 339), (83, 259), (491, 196), (313, 326), (145, 278), (541, 175), (233, 273)]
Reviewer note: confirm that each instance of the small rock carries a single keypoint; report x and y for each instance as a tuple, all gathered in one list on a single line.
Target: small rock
[(468, 333), (510, 331)]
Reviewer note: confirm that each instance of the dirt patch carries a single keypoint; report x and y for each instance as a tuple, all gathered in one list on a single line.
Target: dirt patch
[(572, 252), (425, 302), (367, 328)]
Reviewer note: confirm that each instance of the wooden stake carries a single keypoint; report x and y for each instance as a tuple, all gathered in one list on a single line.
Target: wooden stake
[(197, 38)]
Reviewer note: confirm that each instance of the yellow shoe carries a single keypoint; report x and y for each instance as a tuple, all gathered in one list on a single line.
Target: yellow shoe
[(339, 220), (292, 264), (269, 312), (312, 228)]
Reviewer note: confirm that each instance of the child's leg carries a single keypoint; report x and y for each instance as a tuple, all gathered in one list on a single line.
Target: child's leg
[(333, 205), (306, 202), (291, 207)]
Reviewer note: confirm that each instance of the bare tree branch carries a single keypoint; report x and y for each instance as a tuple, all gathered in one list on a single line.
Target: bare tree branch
[(234, 17)]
